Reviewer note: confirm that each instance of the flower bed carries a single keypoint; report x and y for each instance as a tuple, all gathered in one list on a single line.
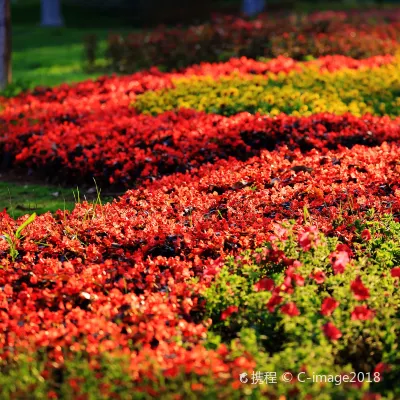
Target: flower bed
[(128, 280), (306, 92), (250, 246), (94, 129), (299, 37), (126, 148)]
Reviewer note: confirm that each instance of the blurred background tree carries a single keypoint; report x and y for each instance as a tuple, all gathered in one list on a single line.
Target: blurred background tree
[(5, 43)]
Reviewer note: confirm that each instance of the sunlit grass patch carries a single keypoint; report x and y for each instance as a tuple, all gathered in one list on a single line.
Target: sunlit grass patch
[(20, 199)]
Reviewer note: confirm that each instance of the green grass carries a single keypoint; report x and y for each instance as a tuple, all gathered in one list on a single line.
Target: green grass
[(51, 56), (20, 199)]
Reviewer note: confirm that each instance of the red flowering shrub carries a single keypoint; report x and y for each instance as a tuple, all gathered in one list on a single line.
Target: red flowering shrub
[(89, 130), (359, 290), (331, 331), (120, 277), (297, 37), (362, 313), (290, 309), (124, 147), (328, 306), (309, 329)]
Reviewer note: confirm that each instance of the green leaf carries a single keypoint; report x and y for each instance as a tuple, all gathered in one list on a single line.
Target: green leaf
[(25, 224)]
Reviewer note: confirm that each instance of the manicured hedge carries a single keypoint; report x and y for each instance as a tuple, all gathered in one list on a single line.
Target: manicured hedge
[(298, 37)]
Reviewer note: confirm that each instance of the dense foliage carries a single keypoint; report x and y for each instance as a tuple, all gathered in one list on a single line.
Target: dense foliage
[(95, 129), (260, 235), (358, 35)]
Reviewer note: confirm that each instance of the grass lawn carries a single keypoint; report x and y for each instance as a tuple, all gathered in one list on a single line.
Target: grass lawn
[(25, 198), (20, 199), (51, 56)]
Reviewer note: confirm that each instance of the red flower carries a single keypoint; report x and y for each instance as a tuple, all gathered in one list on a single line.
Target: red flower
[(290, 309), (395, 272), (319, 276), (366, 235), (360, 291), (331, 331), (309, 238), (371, 396), (328, 306), (381, 368), (339, 260), (299, 280), (8, 290), (296, 264), (196, 387), (273, 302), (228, 312), (264, 284), (362, 313), (344, 247)]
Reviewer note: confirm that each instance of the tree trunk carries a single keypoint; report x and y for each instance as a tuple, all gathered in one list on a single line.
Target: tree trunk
[(51, 13), (5, 43), (252, 7)]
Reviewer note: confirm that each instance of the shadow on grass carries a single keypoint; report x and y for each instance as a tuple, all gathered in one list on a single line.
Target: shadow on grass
[(45, 56), (25, 198)]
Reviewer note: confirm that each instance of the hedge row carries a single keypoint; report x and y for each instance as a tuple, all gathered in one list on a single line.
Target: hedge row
[(296, 37)]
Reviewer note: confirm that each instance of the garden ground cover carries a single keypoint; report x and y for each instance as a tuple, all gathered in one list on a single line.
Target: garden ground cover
[(249, 239), (359, 34)]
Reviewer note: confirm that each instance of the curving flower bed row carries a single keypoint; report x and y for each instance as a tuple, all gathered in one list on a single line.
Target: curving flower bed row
[(107, 94), (92, 130), (125, 148), (248, 245), (372, 90)]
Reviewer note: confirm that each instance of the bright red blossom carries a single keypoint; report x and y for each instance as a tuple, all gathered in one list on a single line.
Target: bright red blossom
[(290, 309), (366, 234), (308, 238), (228, 312), (331, 331), (346, 248), (381, 368), (359, 290), (339, 260), (362, 313), (395, 272), (328, 306), (264, 284), (274, 301), (319, 276)]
